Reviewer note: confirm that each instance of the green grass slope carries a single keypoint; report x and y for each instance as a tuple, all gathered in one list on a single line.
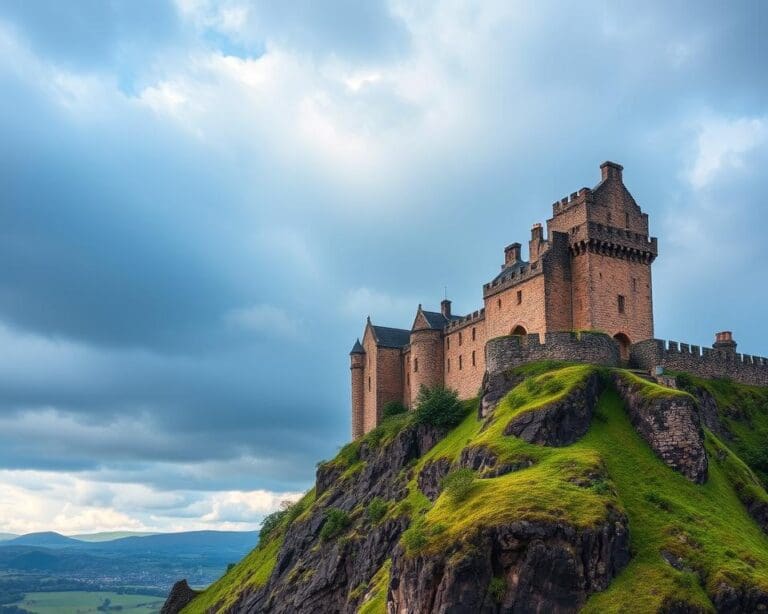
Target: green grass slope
[(705, 530)]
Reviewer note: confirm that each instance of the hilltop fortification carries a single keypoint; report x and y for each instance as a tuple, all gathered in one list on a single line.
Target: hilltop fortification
[(590, 271)]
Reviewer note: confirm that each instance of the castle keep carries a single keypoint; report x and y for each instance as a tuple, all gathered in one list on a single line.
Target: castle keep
[(591, 271)]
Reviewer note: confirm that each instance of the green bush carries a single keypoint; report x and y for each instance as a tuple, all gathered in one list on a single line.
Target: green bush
[(393, 408), (458, 484), (497, 588), (376, 510), (414, 537), (439, 406), (336, 521)]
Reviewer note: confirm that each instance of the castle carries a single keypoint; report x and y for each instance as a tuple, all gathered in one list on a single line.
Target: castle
[(591, 272)]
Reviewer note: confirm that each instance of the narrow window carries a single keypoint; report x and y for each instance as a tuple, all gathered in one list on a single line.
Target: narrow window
[(369, 384), (408, 378), (415, 365), (449, 364), (459, 338), (498, 303), (473, 333), (459, 362), (473, 359), (626, 219), (634, 284), (519, 297), (621, 303), (448, 342), (609, 218)]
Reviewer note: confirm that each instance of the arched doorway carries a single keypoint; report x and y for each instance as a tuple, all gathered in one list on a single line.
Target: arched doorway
[(624, 344), (519, 331)]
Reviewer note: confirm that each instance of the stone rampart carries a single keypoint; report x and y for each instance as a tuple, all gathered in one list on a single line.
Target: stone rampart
[(504, 353), (702, 361)]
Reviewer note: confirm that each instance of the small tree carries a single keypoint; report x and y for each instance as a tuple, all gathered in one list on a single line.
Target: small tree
[(376, 510), (439, 406)]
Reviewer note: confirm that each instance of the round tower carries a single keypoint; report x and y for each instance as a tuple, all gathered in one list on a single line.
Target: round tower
[(426, 360), (357, 366)]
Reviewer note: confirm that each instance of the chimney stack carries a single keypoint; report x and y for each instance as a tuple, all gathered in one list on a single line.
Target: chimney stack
[(511, 254), (724, 342), (611, 170), (445, 308)]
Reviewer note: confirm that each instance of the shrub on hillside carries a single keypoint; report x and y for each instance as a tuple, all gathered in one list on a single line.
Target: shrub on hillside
[(414, 537), (393, 408), (438, 406), (287, 512), (458, 484), (497, 588), (336, 521), (376, 509)]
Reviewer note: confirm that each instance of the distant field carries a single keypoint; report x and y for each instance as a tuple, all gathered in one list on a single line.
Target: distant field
[(80, 602)]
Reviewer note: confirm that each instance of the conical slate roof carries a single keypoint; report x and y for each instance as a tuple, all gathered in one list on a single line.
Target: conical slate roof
[(357, 348)]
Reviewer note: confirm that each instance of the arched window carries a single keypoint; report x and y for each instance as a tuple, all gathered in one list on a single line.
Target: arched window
[(519, 330)]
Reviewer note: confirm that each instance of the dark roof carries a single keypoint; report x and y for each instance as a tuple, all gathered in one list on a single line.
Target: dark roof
[(391, 337), (357, 348), (513, 268), (436, 319)]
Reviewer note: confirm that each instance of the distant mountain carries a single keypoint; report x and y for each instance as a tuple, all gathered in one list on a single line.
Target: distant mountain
[(108, 536), (47, 539), (189, 541)]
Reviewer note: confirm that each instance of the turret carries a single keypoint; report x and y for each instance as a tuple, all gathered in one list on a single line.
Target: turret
[(357, 368)]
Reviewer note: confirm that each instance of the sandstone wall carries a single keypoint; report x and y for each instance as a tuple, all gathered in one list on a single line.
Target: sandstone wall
[(502, 310), (507, 352), (704, 362), (464, 351)]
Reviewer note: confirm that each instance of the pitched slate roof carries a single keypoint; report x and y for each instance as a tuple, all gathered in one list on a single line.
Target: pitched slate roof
[(357, 348), (391, 337), (436, 319), (513, 268)]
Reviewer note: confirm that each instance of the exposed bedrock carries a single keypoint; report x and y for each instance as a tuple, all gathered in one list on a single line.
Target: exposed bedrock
[(181, 594), (517, 567), (671, 426), (560, 423)]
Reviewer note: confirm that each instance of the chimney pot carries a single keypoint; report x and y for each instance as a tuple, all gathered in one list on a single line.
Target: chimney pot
[(511, 254)]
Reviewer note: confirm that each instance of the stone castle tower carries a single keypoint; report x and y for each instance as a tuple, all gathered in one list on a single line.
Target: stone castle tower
[(590, 271)]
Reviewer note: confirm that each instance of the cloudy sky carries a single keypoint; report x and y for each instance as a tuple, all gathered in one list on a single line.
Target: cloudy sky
[(201, 201)]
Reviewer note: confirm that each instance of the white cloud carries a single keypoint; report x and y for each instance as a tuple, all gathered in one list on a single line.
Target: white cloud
[(722, 145), (382, 307)]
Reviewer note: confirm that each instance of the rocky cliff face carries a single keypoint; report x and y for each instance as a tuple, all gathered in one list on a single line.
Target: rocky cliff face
[(563, 468)]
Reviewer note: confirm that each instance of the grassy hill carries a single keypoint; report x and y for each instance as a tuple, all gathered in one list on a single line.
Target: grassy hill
[(691, 547)]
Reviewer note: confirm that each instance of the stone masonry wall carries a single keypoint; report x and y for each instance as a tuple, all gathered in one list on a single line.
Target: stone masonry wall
[(704, 362), (503, 312), (464, 349), (507, 352)]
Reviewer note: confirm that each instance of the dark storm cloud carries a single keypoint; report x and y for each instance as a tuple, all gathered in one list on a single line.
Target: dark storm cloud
[(187, 262)]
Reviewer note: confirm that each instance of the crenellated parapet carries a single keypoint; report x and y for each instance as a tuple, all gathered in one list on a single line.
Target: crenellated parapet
[(583, 196), (504, 353), (472, 318), (716, 362), (611, 241), (514, 278)]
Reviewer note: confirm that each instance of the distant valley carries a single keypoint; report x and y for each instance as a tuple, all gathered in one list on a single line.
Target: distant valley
[(111, 563)]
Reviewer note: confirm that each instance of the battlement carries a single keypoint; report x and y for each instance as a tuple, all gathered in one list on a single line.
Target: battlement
[(701, 361), (593, 236), (468, 319), (512, 279), (504, 353), (584, 195)]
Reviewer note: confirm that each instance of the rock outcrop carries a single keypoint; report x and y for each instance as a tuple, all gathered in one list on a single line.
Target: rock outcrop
[(180, 596), (671, 426), (517, 567), (560, 423)]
